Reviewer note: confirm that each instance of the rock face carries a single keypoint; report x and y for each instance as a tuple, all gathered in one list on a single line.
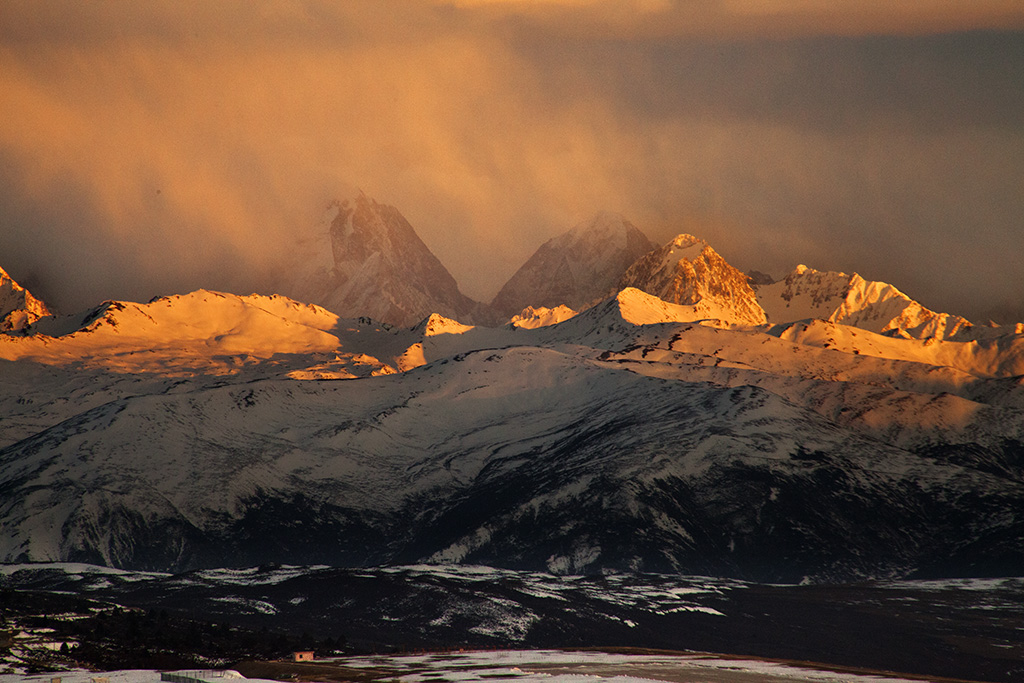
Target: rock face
[(688, 271), (852, 300), (18, 308), (367, 260), (575, 269)]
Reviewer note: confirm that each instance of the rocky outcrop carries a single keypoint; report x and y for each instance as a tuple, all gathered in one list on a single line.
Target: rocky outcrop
[(688, 271)]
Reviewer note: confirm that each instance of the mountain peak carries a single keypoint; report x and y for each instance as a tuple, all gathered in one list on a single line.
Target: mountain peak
[(612, 322), (365, 259), (688, 271), (637, 307), (575, 268), (685, 240), (606, 225)]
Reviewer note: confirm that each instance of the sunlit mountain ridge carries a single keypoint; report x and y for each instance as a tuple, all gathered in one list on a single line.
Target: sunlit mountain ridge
[(364, 259)]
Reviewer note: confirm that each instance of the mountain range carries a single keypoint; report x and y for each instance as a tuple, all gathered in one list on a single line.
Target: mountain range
[(687, 419)]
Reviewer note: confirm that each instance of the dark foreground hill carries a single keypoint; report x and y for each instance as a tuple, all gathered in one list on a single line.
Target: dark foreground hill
[(961, 629)]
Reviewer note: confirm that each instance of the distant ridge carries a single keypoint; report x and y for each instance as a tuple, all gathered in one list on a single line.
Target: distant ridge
[(852, 300)]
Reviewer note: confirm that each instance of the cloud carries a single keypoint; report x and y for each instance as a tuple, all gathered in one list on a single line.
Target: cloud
[(752, 18), (161, 147)]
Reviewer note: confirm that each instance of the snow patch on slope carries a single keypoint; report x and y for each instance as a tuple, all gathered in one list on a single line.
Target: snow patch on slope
[(618, 320), (531, 318)]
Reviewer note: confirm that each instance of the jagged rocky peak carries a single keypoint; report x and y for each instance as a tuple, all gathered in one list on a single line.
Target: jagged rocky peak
[(365, 259), (575, 268), (688, 271), (18, 308), (852, 300)]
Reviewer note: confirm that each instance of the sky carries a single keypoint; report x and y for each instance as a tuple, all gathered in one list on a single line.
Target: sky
[(156, 148)]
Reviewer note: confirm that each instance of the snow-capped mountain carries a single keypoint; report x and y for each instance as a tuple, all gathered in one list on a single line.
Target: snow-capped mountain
[(365, 259), (688, 271), (852, 300), (637, 434), (18, 308), (575, 269)]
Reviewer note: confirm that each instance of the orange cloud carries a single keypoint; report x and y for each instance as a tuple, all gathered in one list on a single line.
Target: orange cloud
[(189, 142)]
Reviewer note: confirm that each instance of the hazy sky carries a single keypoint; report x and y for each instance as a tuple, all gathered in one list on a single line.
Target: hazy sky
[(157, 147)]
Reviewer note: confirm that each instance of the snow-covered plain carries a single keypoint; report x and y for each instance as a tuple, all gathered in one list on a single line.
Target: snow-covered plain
[(558, 666), (534, 666)]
